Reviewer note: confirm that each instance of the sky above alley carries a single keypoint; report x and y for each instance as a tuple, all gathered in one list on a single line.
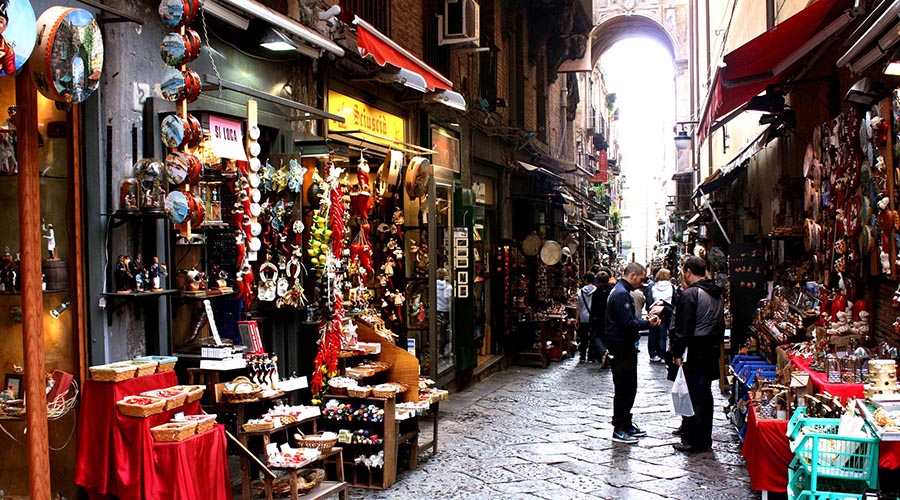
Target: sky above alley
[(640, 71)]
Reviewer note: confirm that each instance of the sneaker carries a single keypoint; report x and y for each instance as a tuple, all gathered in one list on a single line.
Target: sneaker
[(605, 364), (636, 431), (655, 359), (624, 437)]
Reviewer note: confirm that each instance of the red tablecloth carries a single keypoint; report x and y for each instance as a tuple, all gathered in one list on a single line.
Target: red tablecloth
[(116, 455), (820, 382), (188, 470), (767, 453)]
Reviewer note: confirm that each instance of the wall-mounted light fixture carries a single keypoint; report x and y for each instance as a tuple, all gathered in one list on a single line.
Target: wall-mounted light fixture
[(61, 308), (863, 92), (449, 98), (682, 136)]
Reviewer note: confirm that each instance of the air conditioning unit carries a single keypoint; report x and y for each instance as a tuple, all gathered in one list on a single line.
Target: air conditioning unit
[(460, 23)]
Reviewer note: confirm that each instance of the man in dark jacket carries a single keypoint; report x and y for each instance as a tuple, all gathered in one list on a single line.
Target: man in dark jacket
[(622, 331), (696, 347)]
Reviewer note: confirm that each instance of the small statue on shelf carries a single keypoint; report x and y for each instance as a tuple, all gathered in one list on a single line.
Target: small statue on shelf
[(158, 271), (7, 272), (136, 267), (50, 236), (124, 278)]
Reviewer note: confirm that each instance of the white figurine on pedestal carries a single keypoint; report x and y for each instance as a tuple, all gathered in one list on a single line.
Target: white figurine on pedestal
[(50, 236)]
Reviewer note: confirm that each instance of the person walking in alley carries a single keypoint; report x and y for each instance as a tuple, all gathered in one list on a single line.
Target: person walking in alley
[(622, 331), (660, 293), (696, 344), (585, 300), (598, 317)]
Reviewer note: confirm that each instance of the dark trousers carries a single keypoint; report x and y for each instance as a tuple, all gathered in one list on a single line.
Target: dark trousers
[(584, 340), (698, 429), (656, 341), (624, 371)]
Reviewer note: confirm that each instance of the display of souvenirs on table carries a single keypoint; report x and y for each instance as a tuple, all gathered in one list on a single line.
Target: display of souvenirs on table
[(296, 458), (352, 412)]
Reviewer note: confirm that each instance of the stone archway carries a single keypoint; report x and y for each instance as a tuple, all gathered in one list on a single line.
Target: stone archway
[(614, 28), (665, 21)]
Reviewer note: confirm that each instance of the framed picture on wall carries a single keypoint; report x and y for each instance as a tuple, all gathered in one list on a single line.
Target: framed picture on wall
[(446, 143), (12, 387)]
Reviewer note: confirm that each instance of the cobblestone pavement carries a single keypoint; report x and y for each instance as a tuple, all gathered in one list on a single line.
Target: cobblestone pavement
[(529, 433)]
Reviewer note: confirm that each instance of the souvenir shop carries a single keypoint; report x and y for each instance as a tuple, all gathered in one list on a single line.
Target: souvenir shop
[(540, 269), (263, 290), (813, 376)]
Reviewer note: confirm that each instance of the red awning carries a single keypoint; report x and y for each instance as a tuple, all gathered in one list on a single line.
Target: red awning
[(373, 43), (763, 61)]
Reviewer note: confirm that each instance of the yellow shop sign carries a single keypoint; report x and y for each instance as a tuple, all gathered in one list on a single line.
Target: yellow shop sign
[(376, 125)]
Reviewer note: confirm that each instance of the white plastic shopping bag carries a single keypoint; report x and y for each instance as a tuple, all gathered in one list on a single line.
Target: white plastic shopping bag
[(681, 398)]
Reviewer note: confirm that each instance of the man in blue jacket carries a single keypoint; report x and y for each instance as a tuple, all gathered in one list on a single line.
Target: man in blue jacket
[(622, 332)]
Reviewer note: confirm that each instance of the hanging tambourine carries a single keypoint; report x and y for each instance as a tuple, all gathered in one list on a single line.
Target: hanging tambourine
[(177, 207), (177, 49), (418, 173), (17, 40), (531, 245), (177, 13), (389, 173), (68, 61), (551, 253), (198, 210)]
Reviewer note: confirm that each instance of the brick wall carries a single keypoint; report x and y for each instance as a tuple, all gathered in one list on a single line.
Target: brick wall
[(406, 25), (531, 92), (885, 314), (554, 115)]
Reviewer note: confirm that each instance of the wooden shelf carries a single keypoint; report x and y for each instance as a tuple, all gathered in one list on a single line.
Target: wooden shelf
[(273, 430), (139, 295), (198, 298)]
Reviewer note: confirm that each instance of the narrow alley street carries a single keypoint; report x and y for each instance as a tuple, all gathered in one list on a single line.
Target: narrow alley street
[(527, 433)]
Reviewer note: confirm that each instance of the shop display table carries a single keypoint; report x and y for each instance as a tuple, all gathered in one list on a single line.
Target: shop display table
[(117, 456), (820, 382), (324, 489), (530, 331), (767, 452), (266, 436)]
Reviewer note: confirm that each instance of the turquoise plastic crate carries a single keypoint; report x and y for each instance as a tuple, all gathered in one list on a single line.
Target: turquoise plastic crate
[(799, 488), (821, 453)]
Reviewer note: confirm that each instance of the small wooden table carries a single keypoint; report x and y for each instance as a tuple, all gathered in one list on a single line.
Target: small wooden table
[(324, 489), (266, 434)]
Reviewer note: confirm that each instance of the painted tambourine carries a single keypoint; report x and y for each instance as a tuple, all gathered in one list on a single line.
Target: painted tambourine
[(175, 131), (68, 61), (18, 31), (177, 13), (418, 173), (198, 210), (177, 207), (177, 85), (177, 49), (183, 168), (808, 159)]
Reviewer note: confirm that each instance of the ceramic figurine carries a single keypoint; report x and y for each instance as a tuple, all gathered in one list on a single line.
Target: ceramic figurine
[(157, 273), (50, 236), (7, 272), (138, 272), (124, 278)]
